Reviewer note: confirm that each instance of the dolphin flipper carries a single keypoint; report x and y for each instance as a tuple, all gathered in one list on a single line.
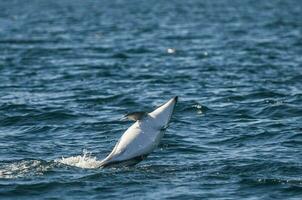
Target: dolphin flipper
[(136, 115)]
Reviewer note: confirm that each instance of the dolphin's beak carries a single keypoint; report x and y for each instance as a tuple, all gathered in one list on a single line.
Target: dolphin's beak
[(175, 99), (163, 113)]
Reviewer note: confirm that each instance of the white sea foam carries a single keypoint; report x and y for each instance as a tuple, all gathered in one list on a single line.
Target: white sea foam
[(171, 50), (198, 108), (23, 168), (86, 160)]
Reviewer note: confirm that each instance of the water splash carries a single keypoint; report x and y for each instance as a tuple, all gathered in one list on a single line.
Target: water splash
[(32, 167), (171, 50), (86, 161), (23, 168), (198, 108)]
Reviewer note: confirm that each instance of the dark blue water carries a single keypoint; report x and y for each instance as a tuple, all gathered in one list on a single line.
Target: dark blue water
[(69, 70)]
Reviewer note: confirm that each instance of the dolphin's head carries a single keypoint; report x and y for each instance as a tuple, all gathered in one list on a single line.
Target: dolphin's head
[(162, 114)]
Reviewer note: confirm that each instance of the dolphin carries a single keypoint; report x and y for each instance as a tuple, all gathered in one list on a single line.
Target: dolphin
[(140, 139)]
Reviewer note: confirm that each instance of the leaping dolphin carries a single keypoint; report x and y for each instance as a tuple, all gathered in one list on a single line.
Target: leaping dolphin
[(142, 137)]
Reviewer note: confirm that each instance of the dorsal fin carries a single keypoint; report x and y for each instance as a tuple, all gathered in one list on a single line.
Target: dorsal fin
[(136, 115)]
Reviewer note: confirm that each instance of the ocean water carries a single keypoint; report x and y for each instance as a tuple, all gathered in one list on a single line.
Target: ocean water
[(69, 70)]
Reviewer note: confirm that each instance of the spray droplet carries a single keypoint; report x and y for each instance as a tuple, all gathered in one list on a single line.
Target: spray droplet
[(171, 50)]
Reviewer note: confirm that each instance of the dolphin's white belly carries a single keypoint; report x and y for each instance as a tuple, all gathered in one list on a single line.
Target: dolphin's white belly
[(139, 139), (143, 136)]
